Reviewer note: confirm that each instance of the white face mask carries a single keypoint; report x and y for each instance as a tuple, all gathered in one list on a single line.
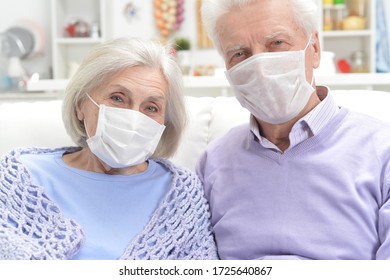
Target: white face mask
[(272, 86), (124, 137)]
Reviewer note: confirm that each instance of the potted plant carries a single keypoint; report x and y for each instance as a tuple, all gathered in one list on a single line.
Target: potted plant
[(182, 47), (182, 44)]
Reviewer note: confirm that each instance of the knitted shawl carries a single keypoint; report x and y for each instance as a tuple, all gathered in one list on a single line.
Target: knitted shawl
[(33, 227)]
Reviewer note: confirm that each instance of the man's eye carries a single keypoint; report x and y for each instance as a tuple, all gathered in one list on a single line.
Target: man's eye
[(237, 57), (278, 46), (278, 42), (238, 54)]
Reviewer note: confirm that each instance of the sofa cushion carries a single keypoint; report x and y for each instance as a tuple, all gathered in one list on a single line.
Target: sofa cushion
[(196, 135), (26, 124), (227, 113), (373, 103), (209, 119)]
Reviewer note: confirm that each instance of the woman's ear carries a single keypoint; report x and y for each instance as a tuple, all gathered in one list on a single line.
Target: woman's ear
[(317, 50), (79, 111)]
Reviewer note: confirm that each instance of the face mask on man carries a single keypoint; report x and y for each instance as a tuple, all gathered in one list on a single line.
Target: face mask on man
[(273, 85), (124, 137)]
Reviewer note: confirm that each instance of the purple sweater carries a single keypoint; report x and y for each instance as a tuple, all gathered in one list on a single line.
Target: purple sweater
[(326, 198)]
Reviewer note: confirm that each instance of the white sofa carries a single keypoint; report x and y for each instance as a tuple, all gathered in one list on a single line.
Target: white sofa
[(39, 123)]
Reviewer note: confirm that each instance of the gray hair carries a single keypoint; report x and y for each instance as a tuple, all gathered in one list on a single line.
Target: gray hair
[(305, 13), (112, 57)]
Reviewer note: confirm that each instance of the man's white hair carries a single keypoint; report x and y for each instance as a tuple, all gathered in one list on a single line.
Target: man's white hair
[(305, 14)]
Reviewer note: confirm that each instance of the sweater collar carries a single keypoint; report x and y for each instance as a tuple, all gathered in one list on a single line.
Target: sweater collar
[(309, 125)]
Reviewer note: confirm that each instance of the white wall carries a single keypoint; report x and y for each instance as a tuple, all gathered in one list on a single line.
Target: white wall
[(143, 25)]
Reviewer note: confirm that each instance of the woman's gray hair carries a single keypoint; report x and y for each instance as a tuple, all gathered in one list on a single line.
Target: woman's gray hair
[(305, 11), (112, 57)]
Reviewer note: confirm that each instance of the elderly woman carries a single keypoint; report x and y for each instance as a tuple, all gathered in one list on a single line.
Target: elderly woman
[(114, 195)]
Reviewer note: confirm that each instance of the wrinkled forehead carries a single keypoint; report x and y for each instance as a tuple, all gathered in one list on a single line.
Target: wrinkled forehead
[(258, 22)]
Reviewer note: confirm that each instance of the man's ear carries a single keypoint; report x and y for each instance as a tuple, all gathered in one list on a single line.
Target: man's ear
[(317, 50)]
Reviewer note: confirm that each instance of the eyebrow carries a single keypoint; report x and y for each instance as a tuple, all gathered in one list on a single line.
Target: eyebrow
[(154, 95), (276, 34), (268, 37), (119, 87), (156, 98), (233, 49)]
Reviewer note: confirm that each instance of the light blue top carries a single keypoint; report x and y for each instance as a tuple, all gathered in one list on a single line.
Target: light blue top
[(111, 209), (326, 197)]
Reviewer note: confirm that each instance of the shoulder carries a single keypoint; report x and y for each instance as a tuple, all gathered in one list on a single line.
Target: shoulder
[(17, 161), (223, 149), (183, 179), (178, 172), (367, 123), (229, 143), (366, 133), (17, 153)]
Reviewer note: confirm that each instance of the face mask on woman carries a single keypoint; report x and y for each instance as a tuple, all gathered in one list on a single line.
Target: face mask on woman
[(124, 137), (272, 85)]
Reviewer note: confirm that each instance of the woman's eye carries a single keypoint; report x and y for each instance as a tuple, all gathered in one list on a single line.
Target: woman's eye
[(153, 109), (116, 98)]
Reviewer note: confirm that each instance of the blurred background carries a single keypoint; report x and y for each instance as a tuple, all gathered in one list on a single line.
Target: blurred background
[(43, 41)]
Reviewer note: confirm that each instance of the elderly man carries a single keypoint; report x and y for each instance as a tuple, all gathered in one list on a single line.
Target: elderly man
[(305, 179)]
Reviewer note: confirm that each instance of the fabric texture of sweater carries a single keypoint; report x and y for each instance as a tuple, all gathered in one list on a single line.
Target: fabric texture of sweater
[(33, 227)]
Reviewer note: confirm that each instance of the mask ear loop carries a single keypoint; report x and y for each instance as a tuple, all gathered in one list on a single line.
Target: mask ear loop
[(86, 129), (307, 45), (85, 125), (93, 101)]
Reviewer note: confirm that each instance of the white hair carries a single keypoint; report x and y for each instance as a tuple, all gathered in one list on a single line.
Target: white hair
[(112, 57), (305, 14)]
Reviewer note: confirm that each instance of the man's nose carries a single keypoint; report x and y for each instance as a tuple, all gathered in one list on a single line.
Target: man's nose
[(256, 49)]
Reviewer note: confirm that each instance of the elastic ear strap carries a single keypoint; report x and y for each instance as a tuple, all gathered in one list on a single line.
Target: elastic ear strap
[(86, 129), (93, 101), (308, 43), (312, 80)]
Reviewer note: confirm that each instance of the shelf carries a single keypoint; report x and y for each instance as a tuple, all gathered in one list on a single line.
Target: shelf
[(343, 43), (362, 79), (48, 85), (355, 79), (68, 52), (205, 82), (193, 82), (29, 96), (71, 41), (204, 86), (347, 33)]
